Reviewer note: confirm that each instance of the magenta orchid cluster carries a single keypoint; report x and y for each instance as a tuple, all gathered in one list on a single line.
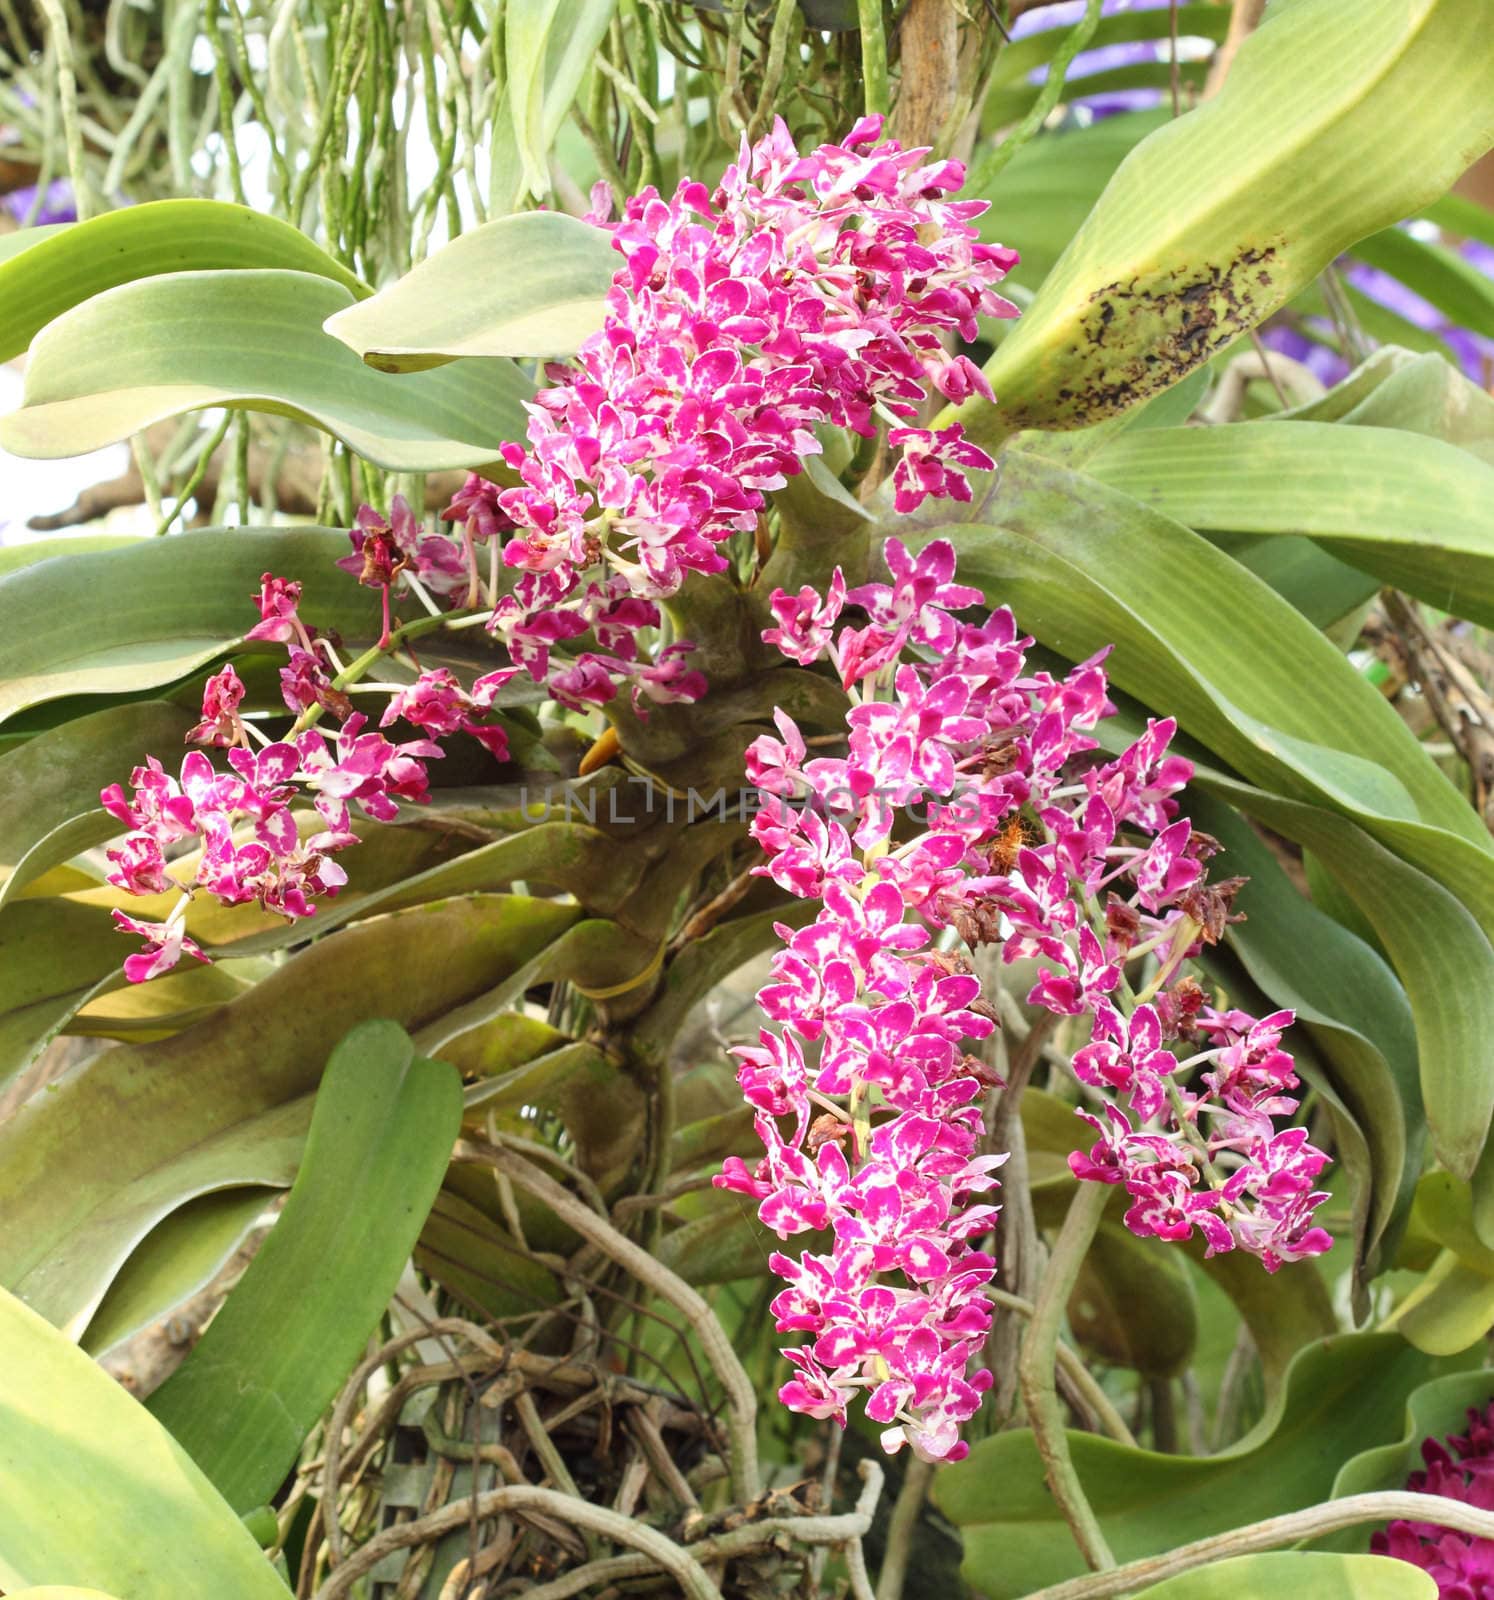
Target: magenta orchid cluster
[(1461, 1469), (972, 806), (248, 843), (805, 290)]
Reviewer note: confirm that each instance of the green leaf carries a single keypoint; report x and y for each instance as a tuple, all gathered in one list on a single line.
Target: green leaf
[(1040, 199), (179, 1256), (54, 955), (145, 351), (75, 262), (1462, 217), (603, 1110), (1284, 1313), (602, 959), (1341, 1396), (1304, 1575), (22, 239), (527, 28), (1450, 1310), (174, 605), (167, 1004), (480, 1262), (89, 1168), (1133, 1304), (1397, 388), (274, 1357), (1202, 639), (1298, 156), (1324, 589), (15, 556), (720, 1241), (153, 1528), (49, 787), (1412, 510), (699, 967), (1173, 407), (1433, 1411), (707, 1141), (1483, 1197), (527, 285), (555, 62), (52, 1591), (1445, 1212)]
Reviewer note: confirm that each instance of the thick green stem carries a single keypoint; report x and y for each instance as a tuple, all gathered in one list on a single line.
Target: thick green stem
[(199, 472), (67, 100), (360, 666), (1037, 1370), (224, 77), (906, 1510), (874, 56), (1082, 1381), (787, 22)]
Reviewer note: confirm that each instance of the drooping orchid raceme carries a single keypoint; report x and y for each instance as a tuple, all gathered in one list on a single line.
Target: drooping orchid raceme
[(248, 844), (804, 290), (972, 803)]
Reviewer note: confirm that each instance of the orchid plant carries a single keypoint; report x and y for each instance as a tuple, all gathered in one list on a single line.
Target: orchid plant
[(810, 289)]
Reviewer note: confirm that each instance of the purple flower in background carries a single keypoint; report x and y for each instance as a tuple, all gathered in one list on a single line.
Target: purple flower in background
[(1302, 338), (1107, 58), (1474, 352), (1325, 364), (57, 204)]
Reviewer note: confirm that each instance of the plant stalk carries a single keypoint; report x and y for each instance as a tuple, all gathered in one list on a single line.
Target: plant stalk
[(1083, 1384), (1036, 1370), (874, 55), (1077, 38), (906, 1510)]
